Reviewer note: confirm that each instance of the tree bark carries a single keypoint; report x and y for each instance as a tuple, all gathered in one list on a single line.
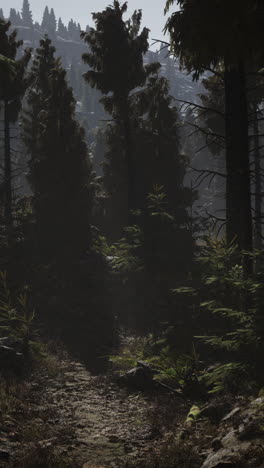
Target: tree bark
[(257, 230), (238, 192), (129, 157), (7, 170)]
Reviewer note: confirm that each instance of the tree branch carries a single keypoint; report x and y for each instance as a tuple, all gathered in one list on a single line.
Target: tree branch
[(198, 106)]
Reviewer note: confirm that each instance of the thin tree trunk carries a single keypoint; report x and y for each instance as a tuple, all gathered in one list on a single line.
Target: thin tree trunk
[(7, 170), (257, 236), (238, 192), (129, 158)]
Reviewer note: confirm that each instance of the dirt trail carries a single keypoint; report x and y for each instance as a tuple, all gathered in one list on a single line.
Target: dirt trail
[(87, 421), (108, 424)]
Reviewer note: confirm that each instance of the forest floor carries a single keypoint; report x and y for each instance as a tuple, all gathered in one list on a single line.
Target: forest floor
[(62, 416)]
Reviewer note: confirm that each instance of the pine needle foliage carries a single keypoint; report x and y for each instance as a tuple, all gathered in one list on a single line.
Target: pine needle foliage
[(116, 52), (17, 316), (60, 168), (231, 306), (13, 70)]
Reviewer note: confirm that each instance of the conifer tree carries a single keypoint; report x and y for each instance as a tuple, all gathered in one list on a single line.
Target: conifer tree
[(235, 42), (14, 17), (157, 159), (46, 19), (12, 88), (79, 32), (52, 21), (62, 208), (36, 97), (160, 142), (26, 14), (116, 60), (62, 30), (60, 166), (73, 30)]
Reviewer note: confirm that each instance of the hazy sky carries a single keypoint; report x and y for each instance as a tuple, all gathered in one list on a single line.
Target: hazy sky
[(80, 11)]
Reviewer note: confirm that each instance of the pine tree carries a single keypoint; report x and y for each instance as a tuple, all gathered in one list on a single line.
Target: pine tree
[(64, 206), (72, 30), (12, 89), (60, 167), (52, 21), (116, 60), (36, 97), (14, 17), (234, 41), (157, 159), (45, 20), (19, 19), (26, 14), (79, 32), (62, 30), (49, 23), (158, 125)]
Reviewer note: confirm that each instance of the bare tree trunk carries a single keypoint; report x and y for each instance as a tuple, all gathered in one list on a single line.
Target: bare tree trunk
[(238, 190), (129, 158), (257, 230), (7, 171)]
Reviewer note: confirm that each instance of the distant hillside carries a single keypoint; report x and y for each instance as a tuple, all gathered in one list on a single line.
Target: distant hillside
[(70, 47)]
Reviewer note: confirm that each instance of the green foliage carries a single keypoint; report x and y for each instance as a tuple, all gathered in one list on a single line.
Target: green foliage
[(189, 38), (60, 168), (116, 52), (8, 70), (123, 255), (193, 414), (157, 204), (115, 58), (36, 97), (126, 259), (171, 367), (13, 82), (131, 352), (17, 316), (175, 367), (232, 304), (229, 376)]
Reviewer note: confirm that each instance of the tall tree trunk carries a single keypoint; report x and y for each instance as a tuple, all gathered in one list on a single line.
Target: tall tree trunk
[(7, 170), (238, 193), (257, 230), (129, 157)]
